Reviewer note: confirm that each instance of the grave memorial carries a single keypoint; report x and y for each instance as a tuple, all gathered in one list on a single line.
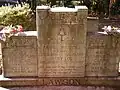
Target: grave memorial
[(62, 54)]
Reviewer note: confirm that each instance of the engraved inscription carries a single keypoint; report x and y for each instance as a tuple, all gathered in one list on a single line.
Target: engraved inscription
[(62, 33), (18, 41), (63, 18), (20, 61), (100, 59), (55, 62)]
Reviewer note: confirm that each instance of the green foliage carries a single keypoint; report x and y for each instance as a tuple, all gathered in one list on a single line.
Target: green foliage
[(17, 16), (115, 9), (100, 7)]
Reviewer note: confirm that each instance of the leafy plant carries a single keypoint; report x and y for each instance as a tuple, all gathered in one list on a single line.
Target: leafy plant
[(115, 9), (17, 16)]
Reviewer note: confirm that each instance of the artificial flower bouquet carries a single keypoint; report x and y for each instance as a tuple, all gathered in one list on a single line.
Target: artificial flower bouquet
[(9, 31), (110, 30)]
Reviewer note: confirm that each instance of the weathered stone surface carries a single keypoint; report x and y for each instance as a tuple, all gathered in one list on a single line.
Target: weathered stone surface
[(101, 57), (117, 41), (22, 41), (62, 58), (92, 24), (89, 81), (65, 88), (20, 59), (61, 43)]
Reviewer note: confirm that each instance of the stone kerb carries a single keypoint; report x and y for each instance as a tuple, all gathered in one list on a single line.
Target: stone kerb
[(61, 41)]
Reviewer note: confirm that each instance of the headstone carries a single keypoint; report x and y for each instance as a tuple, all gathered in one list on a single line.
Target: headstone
[(101, 56), (61, 41), (20, 57)]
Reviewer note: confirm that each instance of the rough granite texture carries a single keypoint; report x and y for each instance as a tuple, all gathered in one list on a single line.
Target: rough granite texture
[(62, 54), (62, 88)]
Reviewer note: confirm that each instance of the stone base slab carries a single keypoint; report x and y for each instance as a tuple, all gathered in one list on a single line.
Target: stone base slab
[(89, 81), (62, 88)]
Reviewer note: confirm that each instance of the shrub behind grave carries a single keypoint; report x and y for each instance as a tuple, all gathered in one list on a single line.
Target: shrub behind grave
[(17, 16)]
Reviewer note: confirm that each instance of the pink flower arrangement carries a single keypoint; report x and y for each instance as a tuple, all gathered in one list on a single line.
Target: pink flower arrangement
[(10, 31)]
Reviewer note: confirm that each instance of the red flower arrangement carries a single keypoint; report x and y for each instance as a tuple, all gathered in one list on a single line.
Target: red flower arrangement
[(9, 31)]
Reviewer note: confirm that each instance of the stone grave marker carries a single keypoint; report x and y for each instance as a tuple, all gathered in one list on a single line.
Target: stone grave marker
[(61, 41), (20, 57), (101, 56)]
